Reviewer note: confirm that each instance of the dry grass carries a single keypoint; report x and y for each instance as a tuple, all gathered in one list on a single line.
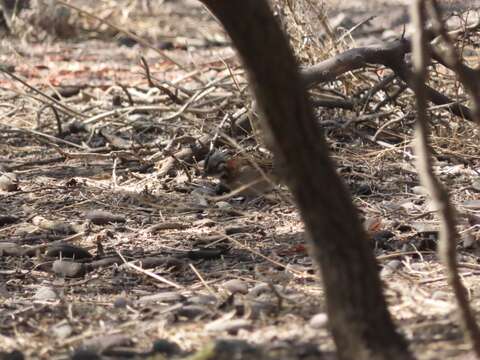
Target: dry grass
[(255, 242)]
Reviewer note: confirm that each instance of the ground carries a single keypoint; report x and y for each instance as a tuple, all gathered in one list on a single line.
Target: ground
[(107, 178)]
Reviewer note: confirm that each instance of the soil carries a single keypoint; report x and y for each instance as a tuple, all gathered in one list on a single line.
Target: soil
[(113, 244)]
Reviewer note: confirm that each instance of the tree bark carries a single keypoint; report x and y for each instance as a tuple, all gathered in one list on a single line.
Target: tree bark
[(359, 319)]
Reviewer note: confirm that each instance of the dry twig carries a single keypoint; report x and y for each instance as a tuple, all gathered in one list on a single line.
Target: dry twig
[(448, 234)]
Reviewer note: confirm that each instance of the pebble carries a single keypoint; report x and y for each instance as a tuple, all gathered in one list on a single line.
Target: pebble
[(120, 302), (223, 205), (62, 330), (8, 182), (235, 286), (45, 294), (419, 190), (202, 299), (319, 321), (68, 268), (191, 311)]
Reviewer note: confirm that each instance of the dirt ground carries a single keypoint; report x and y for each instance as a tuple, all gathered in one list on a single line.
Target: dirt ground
[(163, 267)]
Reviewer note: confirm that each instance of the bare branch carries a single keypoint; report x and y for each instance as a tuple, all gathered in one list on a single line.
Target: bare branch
[(450, 58), (448, 235), (391, 55)]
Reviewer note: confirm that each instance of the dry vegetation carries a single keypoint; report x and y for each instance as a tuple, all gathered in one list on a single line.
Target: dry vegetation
[(109, 163)]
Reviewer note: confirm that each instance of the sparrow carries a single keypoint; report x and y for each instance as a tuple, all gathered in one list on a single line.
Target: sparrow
[(240, 174)]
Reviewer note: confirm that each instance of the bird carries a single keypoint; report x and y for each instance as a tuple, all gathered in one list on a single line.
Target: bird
[(242, 174)]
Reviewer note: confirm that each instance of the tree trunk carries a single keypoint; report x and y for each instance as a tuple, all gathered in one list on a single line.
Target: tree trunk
[(359, 319)]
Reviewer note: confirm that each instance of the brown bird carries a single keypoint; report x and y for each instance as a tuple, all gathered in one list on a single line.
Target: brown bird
[(240, 174)]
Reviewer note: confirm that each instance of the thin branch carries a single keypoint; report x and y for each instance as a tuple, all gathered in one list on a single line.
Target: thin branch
[(450, 58), (67, 110), (391, 55), (160, 87), (448, 234), (148, 273)]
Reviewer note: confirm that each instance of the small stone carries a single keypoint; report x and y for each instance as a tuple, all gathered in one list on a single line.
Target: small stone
[(68, 268), (319, 321), (223, 205), (8, 182), (120, 302), (62, 330), (45, 294), (191, 311), (419, 190), (202, 299), (235, 286)]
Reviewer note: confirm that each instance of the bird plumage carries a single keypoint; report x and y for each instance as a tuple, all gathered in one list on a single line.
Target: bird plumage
[(240, 173)]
